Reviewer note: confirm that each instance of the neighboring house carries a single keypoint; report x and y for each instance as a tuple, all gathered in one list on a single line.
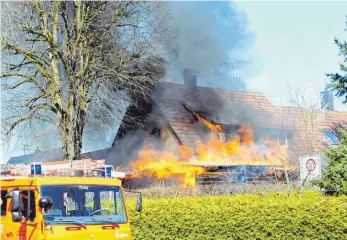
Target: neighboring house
[(312, 135), (23, 158), (56, 154), (50, 155)]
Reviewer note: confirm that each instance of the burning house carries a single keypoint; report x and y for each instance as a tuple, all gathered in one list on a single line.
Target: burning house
[(220, 134), (208, 134)]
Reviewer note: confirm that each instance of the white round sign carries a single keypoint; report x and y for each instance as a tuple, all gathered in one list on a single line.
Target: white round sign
[(311, 165)]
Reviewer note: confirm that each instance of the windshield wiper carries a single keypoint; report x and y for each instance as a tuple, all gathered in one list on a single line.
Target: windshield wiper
[(70, 222), (103, 221)]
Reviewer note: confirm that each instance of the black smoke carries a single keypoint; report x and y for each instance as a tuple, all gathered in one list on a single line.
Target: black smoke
[(211, 35)]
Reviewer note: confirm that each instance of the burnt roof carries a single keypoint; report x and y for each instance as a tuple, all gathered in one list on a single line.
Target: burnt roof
[(218, 105), (230, 107)]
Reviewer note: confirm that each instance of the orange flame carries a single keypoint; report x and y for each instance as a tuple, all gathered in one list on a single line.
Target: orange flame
[(215, 152), (211, 126), (240, 150), (165, 164), (246, 131)]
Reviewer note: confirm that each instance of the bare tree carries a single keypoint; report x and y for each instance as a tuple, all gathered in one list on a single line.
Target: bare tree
[(71, 64), (307, 117)]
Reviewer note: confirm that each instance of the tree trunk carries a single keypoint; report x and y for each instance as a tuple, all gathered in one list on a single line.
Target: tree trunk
[(68, 139), (71, 136), (79, 132), (68, 146)]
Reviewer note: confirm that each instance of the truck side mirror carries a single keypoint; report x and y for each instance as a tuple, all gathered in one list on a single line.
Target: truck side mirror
[(15, 196), (45, 203), (15, 216), (139, 203)]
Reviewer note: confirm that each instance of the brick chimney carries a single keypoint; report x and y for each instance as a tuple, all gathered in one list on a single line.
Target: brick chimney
[(190, 79)]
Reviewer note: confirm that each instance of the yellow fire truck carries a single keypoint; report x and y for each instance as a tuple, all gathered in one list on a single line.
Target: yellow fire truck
[(64, 207)]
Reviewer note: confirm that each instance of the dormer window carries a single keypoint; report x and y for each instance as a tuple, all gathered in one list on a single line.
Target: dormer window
[(330, 135), (222, 137)]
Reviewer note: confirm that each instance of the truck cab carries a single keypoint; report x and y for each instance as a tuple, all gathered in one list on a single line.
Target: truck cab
[(37, 207)]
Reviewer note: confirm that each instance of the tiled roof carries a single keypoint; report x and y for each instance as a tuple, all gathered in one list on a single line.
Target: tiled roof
[(304, 132), (219, 105), (332, 121), (332, 118), (180, 120), (171, 98), (202, 95), (211, 100)]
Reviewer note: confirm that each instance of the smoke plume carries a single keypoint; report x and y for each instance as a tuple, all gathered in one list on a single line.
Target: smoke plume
[(211, 35)]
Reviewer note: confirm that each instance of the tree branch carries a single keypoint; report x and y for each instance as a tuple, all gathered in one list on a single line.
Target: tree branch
[(27, 79), (38, 61), (34, 100), (94, 92), (31, 115)]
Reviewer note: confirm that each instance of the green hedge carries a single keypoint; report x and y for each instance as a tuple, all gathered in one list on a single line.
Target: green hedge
[(269, 216)]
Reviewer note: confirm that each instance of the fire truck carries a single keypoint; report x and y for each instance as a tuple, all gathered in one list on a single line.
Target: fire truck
[(67, 203)]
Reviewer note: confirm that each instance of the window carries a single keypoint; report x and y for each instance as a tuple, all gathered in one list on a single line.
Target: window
[(119, 204), (27, 205), (222, 136), (333, 139), (91, 204), (3, 202), (113, 201), (107, 201), (70, 203), (282, 140)]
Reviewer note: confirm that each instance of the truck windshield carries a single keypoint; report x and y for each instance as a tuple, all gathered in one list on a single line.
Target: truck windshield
[(84, 204)]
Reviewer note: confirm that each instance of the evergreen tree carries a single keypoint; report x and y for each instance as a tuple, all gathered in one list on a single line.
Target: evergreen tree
[(339, 80), (334, 176)]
